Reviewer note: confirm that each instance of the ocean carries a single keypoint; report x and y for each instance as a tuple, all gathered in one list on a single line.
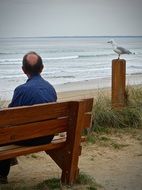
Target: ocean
[(66, 59)]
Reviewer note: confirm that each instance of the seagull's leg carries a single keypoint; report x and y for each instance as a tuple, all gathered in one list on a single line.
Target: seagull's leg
[(118, 56)]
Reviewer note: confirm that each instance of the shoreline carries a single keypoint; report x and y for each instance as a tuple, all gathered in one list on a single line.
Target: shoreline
[(77, 94), (90, 88), (83, 89)]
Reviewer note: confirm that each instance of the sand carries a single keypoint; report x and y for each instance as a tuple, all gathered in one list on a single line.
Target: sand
[(113, 169)]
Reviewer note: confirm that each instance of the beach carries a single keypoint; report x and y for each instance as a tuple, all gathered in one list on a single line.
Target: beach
[(111, 168)]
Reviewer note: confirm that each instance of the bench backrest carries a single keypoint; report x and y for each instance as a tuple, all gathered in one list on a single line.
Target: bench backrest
[(22, 123)]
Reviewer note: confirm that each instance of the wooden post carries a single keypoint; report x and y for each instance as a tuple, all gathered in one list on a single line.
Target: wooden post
[(118, 83)]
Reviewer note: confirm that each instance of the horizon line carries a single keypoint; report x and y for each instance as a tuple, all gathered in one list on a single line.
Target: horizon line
[(74, 36)]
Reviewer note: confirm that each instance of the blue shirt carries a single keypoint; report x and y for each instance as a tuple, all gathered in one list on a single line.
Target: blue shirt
[(35, 91)]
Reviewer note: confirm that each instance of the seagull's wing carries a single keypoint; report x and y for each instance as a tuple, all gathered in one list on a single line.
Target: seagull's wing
[(123, 50)]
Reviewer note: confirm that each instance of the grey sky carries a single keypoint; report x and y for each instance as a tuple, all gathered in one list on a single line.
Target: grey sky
[(70, 17)]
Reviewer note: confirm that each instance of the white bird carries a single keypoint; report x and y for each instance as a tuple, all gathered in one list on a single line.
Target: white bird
[(117, 49)]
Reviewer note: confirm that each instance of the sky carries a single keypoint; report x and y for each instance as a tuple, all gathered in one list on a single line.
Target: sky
[(41, 18)]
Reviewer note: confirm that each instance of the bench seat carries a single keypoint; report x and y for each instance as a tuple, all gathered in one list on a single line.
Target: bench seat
[(30, 122)]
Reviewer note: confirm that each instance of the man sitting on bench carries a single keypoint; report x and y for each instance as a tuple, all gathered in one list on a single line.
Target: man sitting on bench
[(35, 91)]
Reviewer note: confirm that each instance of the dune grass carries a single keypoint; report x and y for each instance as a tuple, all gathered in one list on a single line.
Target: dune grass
[(130, 116), (2, 103)]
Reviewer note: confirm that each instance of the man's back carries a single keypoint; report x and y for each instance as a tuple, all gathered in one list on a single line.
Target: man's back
[(35, 91)]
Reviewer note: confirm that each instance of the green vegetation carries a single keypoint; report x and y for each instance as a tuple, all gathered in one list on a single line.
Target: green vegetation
[(14, 187), (34, 156), (112, 139), (90, 182), (49, 184), (2, 103), (55, 184), (109, 125), (130, 116)]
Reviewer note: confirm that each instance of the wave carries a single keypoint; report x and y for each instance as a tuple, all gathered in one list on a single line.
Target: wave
[(10, 60), (56, 77), (9, 53), (136, 67), (12, 76), (137, 73), (59, 58), (49, 58), (22, 76), (16, 61), (97, 55)]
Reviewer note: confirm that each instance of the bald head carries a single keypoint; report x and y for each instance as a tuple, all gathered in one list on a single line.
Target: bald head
[(32, 64), (32, 58)]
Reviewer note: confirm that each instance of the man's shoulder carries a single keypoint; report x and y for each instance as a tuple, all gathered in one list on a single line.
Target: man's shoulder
[(21, 88), (48, 83)]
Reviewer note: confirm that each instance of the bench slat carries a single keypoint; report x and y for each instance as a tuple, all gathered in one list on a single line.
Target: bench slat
[(28, 114), (21, 150), (88, 104), (32, 130), (87, 120)]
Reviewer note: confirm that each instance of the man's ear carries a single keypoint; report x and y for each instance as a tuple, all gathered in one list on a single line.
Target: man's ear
[(24, 70), (41, 68)]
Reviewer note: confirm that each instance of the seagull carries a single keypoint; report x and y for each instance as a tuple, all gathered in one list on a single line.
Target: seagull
[(117, 49)]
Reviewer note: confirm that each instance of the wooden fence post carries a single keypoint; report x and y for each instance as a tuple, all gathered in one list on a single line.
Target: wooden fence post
[(118, 83)]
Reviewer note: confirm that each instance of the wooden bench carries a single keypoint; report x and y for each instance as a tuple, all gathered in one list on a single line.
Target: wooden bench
[(29, 122)]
